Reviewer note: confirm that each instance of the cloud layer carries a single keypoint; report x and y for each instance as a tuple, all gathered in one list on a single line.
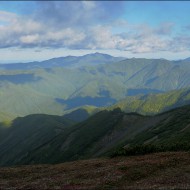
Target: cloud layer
[(86, 25)]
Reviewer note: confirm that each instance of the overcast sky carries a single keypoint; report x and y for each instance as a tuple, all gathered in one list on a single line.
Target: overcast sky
[(37, 30)]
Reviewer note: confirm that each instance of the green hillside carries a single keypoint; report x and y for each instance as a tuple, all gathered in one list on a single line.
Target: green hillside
[(29, 133), (55, 90), (154, 103), (174, 129), (33, 131), (101, 134), (170, 134)]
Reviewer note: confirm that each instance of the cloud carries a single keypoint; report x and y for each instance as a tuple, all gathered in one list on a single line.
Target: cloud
[(165, 28), (76, 14), (180, 43), (7, 17), (59, 24), (137, 39), (86, 25), (29, 39)]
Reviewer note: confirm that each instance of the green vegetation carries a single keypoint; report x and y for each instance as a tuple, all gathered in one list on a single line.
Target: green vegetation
[(28, 133), (78, 108), (152, 104), (171, 134), (64, 86), (76, 142), (81, 121), (150, 148), (54, 139)]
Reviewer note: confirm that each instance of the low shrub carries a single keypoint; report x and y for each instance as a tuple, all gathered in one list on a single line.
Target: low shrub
[(149, 148)]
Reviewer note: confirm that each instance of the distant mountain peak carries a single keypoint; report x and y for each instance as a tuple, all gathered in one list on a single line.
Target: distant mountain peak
[(97, 54)]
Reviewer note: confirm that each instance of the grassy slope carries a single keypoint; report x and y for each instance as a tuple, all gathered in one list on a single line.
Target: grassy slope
[(27, 133), (155, 171), (76, 141), (154, 103), (149, 104), (175, 128)]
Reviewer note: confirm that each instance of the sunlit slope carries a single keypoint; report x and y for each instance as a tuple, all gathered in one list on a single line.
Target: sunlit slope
[(22, 100), (154, 103)]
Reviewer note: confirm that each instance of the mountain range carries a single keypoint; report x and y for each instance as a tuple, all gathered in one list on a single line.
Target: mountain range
[(66, 62), (83, 107), (60, 85)]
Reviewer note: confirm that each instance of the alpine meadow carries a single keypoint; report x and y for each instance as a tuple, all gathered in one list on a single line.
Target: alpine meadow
[(94, 95)]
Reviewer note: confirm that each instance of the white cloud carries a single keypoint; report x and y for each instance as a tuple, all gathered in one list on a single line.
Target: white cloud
[(53, 27), (165, 28), (29, 39), (100, 38), (7, 17)]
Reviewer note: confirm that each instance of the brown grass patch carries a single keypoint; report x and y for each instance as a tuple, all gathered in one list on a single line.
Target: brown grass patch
[(153, 171)]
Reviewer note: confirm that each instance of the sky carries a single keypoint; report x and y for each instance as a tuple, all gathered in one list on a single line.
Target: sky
[(39, 30)]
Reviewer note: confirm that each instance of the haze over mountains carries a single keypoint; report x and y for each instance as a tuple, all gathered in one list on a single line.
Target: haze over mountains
[(61, 84)]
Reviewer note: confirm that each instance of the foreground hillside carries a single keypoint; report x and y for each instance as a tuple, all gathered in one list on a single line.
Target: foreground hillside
[(41, 139), (33, 131), (155, 171)]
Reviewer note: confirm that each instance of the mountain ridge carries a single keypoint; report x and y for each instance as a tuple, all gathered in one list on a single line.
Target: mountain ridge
[(66, 61), (96, 136)]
